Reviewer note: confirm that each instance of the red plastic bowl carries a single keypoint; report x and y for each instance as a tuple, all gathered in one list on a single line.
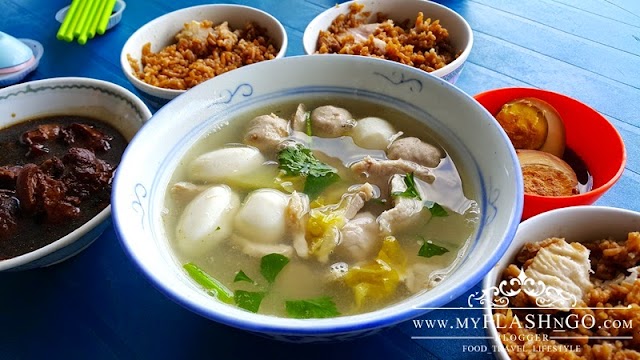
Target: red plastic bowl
[(588, 133)]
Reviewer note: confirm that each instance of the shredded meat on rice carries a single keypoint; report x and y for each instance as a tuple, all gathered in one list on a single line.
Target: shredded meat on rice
[(424, 44), (605, 324), (201, 52)]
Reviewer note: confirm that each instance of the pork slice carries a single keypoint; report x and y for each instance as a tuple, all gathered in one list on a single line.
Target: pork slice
[(379, 172), (405, 211), (359, 238)]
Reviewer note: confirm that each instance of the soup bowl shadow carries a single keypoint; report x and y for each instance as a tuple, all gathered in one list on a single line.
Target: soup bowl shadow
[(472, 136), (91, 98)]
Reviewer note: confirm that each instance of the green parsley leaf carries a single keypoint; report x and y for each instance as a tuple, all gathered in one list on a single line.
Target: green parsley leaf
[(241, 276), (215, 287), (429, 249), (411, 191), (217, 228), (314, 186), (436, 209), (322, 307), (249, 300), (307, 122), (271, 265), (299, 161)]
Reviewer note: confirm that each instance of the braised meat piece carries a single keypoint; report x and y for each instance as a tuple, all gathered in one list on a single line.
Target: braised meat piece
[(8, 175), (9, 210), (75, 134), (41, 195), (82, 135), (58, 206), (85, 174), (53, 167), (27, 188), (35, 139)]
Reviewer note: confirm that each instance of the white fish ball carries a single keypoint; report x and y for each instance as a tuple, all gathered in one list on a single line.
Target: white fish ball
[(373, 133), (207, 220), (226, 163), (262, 216)]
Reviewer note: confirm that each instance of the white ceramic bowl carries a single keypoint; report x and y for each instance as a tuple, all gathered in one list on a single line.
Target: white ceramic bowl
[(160, 32), (579, 223), (70, 96), (460, 32), (475, 139)]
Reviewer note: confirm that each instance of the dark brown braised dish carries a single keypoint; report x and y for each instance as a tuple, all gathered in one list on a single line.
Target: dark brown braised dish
[(55, 175)]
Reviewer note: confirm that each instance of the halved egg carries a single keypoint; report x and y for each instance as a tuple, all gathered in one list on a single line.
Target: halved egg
[(545, 174), (533, 124)]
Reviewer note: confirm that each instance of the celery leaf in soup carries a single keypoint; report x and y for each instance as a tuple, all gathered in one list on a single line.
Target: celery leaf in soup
[(241, 276), (215, 287), (322, 307), (436, 209), (249, 300), (411, 191), (307, 123), (429, 249), (314, 186), (299, 161), (271, 265)]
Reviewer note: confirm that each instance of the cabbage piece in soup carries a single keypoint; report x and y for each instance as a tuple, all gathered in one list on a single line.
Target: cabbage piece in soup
[(319, 209)]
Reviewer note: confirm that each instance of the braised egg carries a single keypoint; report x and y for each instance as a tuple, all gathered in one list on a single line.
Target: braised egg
[(533, 124), (545, 174)]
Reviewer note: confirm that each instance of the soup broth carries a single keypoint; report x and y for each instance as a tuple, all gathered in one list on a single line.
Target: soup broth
[(359, 227)]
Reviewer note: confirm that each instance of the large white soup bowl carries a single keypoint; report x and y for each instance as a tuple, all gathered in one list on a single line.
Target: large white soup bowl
[(469, 133)]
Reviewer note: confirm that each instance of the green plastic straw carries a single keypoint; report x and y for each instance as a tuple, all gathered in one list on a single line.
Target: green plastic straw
[(96, 19), (83, 17), (68, 18), (104, 17), (68, 35), (87, 19)]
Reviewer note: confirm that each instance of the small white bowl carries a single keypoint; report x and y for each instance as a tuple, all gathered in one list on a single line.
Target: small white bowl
[(99, 99), (459, 30), (579, 223), (161, 31), (149, 162)]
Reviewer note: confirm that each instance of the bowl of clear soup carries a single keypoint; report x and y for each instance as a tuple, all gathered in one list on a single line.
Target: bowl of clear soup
[(318, 206)]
